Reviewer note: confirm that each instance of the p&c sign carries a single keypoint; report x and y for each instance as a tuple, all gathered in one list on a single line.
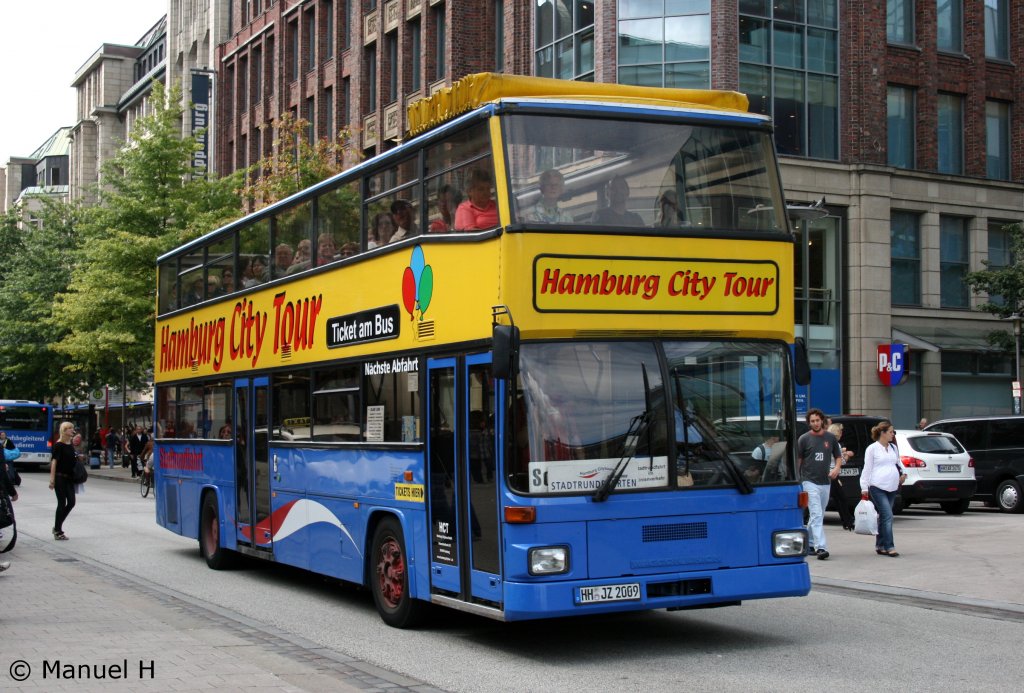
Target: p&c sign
[(892, 363)]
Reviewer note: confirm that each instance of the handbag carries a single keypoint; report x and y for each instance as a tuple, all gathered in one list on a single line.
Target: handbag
[(11, 454), (80, 474), (865, 518), (6, 511)]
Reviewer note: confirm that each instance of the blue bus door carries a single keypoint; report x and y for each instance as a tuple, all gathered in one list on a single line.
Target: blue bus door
[(252, 470), (464, 528)]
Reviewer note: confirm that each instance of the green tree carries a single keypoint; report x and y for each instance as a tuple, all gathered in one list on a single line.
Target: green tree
[(37, 266), (149, 205), (1006, 283)]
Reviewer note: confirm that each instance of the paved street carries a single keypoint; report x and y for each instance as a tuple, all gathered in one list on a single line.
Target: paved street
[(89, 602)]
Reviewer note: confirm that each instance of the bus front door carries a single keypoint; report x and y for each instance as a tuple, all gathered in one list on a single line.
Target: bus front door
[(252, 469), (465, 537)]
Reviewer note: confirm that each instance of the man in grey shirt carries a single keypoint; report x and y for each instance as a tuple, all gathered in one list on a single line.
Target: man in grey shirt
[(815, 452)]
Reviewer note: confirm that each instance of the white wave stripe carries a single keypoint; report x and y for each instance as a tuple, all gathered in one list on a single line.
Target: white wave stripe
[(306, 512)]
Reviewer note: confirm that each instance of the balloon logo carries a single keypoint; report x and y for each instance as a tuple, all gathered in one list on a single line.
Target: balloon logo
[(417, 285)]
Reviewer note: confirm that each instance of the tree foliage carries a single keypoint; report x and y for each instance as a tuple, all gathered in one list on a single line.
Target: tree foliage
[(149, 204), (1006, 283), (38, 265)]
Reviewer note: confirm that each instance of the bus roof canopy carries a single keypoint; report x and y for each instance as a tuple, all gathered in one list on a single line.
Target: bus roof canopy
[(478, 89)]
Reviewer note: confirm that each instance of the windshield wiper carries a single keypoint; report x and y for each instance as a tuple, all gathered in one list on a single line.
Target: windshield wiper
[(637, 426), (707, 437)]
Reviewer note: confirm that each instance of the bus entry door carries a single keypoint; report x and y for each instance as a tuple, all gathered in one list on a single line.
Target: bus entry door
[(465, 532), (252, 470)]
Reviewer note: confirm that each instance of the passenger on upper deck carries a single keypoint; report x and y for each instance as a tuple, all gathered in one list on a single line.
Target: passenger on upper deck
[(227, 281), (213, 288), (616, 214), (381, 229), (326, 249), (448, 199), (194, 294), (669, 214), (547, 211), (349, 249), (478, 212), (254, 271), (403, 217), (283, 256), (302, 253)]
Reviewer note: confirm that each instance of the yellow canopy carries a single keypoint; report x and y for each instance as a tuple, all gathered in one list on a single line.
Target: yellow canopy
[(477, 89)]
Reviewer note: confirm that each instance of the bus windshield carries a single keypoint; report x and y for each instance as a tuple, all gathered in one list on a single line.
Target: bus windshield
[(577, 401), (672, 175), (24, 418)]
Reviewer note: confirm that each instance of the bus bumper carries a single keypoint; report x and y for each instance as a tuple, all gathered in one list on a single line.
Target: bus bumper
[(665, 591)]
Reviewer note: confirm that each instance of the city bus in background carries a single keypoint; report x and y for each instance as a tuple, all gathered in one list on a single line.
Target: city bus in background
[(520, 369), (30, 425)]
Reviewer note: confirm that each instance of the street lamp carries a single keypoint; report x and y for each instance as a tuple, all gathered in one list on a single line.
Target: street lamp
[(1016, 317)]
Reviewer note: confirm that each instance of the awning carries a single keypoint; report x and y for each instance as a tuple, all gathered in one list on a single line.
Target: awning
[(949, 335)]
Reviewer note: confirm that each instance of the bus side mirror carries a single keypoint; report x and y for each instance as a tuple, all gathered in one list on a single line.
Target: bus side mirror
[(801, 366), (506, 351)]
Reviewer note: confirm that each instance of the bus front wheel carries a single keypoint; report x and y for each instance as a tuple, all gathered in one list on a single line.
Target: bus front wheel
[(389, 577), (217, 557)]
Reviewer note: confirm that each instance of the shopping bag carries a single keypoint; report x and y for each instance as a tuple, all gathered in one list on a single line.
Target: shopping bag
[(865, 518)]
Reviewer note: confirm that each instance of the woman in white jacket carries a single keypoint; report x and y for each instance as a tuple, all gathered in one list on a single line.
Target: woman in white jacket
[(880, 480)]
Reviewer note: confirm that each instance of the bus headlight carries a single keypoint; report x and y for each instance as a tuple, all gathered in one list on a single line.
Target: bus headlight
[(549, 560), (786, 544)]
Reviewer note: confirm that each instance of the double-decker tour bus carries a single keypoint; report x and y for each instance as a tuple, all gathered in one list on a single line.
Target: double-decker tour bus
[(30, 425), (518, 365)]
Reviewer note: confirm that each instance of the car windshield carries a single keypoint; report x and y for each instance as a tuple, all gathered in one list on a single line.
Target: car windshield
[(935, 443), (576, 401)]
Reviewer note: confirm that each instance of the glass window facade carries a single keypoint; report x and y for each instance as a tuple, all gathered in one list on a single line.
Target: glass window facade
[(950, 25), (905, 243), (997, 29), (999, 252), (953, 254), (997, 140), (899, 21), (900, 124), (564, 39), (665, 43), (951, 133), (789, 68)]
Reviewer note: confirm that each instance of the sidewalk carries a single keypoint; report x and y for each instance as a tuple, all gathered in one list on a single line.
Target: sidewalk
[(69, 623)]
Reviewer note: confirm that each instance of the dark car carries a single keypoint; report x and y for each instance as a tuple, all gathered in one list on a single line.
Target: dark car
[(997, 445)]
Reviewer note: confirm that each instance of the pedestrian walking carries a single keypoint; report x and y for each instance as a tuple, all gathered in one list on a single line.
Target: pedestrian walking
[(816, 450), (880, 481), (62, 469), (845, 515), (8, 494), (113, 447)]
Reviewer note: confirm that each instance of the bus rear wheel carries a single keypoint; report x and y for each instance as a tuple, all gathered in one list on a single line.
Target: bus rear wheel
[(389, 577), (217, 557)]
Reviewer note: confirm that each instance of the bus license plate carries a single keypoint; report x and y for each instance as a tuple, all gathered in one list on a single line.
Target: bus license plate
[(629, 591), (849, 471), (949, 468)]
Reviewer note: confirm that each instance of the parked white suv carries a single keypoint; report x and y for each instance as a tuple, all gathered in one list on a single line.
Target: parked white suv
[(938, 468)]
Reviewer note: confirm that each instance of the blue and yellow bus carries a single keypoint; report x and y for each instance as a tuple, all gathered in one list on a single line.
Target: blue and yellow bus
[(517, 365), (30, 425)]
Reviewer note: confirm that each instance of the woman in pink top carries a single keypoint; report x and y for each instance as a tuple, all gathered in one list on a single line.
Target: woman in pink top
[(478, 212)]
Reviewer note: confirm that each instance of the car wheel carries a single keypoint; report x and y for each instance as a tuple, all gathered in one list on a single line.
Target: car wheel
[(1008, 496), (389, 577), (956, 507)]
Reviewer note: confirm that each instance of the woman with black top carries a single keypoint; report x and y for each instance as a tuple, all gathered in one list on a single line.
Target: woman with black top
[(62, 469)]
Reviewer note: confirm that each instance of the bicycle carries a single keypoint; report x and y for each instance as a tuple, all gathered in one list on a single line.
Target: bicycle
[(146, 481)]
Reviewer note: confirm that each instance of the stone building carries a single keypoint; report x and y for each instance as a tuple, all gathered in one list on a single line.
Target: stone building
[(900, 114), (26, 181)]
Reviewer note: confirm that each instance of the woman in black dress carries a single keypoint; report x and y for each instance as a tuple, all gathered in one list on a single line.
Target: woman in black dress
[(62, 468)]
